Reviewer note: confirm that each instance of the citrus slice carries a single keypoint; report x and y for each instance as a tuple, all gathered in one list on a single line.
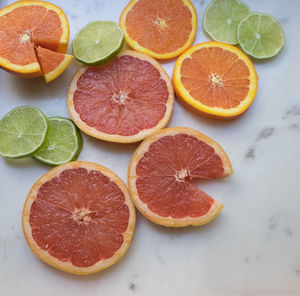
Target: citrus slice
[(260, 35), (22, 132), (79, 218), (123, 101), (98, 42), (26, 24), (216, 80), (222, 17), (63, 142), (161, 172), (52, 63), (161, 29)]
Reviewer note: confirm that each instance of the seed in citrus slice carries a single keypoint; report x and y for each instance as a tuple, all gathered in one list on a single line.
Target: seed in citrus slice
[(52, 63), (26, 24), (260, 35), (216, 80), (63, 142), (22, 132), (222, 17), (98, 42), (161, 172), (123, 101), (161, 29), (79, 218)]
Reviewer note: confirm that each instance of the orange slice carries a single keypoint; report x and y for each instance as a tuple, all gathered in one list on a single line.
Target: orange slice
[(161, 29), (52, 63), (216, 80), (26, 24), (161, 172), (78, 217), (123, 101)]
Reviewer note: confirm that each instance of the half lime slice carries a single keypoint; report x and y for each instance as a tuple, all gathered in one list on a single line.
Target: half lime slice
[(98, 42), (222, 17), (260, 35), (63, 142)]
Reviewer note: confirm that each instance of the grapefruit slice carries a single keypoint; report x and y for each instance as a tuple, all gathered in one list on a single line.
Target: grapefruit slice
[(161, 172), (161, 29), (25, 25), (123, 101), (79, 218), (52, 63), (216, 80)]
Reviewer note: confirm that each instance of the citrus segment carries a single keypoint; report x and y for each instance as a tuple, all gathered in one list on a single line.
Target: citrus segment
[(215, 79), (161, 171), (124, 100), (161, 29), (52, 63), (79, 218)]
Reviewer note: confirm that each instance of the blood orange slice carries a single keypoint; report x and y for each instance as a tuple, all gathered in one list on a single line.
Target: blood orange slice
[(78, 217), (161, 172), (123, 101)]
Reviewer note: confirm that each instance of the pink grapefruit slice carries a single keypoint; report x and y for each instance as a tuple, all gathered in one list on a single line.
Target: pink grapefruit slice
[(79, 218), (123, 101), (161, 172)]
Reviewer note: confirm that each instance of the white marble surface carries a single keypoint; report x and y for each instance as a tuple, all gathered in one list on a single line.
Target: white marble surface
[(252, 248)]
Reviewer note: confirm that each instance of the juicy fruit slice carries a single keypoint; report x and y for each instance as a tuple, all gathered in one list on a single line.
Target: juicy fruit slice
[(63, 142), (216, 80), (52, 63), (222, 17), (98, 42), (161, 29), (160, 177), (260, 35), (26, 24), (22, 132), (78, 217), (122, 101)]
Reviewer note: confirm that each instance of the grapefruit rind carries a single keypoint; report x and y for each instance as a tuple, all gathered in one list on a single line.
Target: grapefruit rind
[(91, 131), (164, 56), (67, 266), (215, 112), (132, 177)]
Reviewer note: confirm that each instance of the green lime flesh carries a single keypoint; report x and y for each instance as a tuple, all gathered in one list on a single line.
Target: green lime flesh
[(98, 42), (63, 142), (22, 132), (222, 17), (260, 35)]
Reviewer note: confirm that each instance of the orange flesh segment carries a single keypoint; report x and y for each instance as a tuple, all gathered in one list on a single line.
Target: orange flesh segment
[(165, 173), (79, 216), (161, 26), (49, 60), (123, 97), (216, 77), (24, 27)]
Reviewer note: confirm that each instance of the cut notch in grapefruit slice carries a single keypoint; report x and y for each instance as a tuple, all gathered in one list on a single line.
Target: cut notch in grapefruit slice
[(216, 80), (25, 25), (161, 29), (79, 218), (123, 101), (160, 177)]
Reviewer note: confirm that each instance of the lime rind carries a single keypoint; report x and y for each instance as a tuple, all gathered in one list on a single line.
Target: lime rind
[(222, 17), (22, 132), (57, 149), (98, 42), (260, 35)]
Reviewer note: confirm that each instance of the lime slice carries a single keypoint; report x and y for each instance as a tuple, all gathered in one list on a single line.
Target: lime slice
[(98, 42), (222, 17), (22, 132), (260, 35), (63, 142)]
